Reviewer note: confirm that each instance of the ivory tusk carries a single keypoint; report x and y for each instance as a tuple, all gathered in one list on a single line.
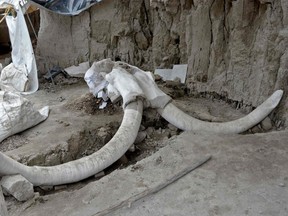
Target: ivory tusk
[(158, 99), (185, 122), (77, 170)]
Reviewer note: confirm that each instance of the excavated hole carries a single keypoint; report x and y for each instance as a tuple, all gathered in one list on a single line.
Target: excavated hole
[(155, 129)]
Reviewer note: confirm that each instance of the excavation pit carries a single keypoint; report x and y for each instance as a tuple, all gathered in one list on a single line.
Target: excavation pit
[(76, 129)]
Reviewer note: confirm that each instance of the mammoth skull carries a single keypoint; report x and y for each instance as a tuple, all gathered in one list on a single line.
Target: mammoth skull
[(138, 91)]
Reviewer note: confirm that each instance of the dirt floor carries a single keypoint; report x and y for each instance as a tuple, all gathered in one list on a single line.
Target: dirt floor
[(247, 174)]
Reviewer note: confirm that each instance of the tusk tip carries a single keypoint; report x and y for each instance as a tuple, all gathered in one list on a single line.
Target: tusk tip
[(276, 97), (278, 94)]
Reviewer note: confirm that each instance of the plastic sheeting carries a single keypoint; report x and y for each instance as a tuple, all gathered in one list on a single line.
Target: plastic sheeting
[(18, 114), (65, 7), (22, 53)]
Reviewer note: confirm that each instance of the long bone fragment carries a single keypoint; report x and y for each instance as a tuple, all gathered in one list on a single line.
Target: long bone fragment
[(77, 170), (159, 100)]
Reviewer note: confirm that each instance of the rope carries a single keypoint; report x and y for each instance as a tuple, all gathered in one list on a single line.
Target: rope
[(30, 22), (8, 10)]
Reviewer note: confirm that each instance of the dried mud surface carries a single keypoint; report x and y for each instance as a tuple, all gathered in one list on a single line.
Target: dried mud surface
[(76, 128)]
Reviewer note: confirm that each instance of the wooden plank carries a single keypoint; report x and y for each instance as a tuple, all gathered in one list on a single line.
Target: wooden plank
[(156, 188)]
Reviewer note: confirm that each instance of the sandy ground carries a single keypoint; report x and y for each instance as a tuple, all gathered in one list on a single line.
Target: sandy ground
[(247, 174)]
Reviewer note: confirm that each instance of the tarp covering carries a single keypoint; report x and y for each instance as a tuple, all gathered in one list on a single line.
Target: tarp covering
[(24, 63), (66, 7)]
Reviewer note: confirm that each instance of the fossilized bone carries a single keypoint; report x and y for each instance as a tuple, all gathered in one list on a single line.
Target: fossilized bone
[(186, 122), (134, 85), (82, 168), (77, 170), (156, 98)]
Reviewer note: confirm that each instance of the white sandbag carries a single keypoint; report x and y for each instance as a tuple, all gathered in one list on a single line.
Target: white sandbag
[(18, 114), (13, 78), (22, 51)]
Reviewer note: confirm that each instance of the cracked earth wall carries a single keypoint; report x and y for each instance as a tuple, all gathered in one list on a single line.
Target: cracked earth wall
[(235, 48)]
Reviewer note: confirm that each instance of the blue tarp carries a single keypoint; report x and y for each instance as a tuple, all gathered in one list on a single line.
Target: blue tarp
[(66, 7)]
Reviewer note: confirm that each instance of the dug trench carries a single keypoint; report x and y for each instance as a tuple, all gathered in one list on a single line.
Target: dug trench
[(77, 128)]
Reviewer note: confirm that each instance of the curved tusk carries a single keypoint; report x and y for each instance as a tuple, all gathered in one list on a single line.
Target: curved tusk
[(185, 122), (74, 171), (158, 99)]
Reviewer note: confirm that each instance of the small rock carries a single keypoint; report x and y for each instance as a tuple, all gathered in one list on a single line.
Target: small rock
[(132, 148), (266, 124), (60, 187), (99, 175), (46, 188), (3, 208), (256, 129), (123, 160), (282, 185), (79, 70), (140, 137), (173, 137), (61, 99), (166, 58), (177, 79), (278, 124), (150, 116), (137, 167), (150, 131), (173, 133), (104, 135), (172, 127), (66, 124), (18, 187), (7, 61), (165, 138), (142, 128), (157, 77), (141, 41), (159, 160), (173, 84)]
